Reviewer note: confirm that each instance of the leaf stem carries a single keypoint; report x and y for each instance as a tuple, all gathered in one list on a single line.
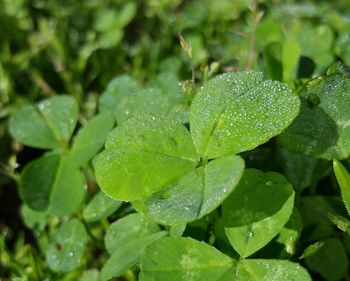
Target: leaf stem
[(34, 264), (256, 17), (97, 241)]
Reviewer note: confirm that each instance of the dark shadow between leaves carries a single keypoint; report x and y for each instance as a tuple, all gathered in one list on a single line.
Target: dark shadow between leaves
[(313, 132)]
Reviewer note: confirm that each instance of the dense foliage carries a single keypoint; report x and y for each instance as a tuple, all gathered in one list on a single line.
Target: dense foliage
[(167, 140)]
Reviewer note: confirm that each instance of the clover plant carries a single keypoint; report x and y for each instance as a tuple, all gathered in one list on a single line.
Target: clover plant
[(177, 195)]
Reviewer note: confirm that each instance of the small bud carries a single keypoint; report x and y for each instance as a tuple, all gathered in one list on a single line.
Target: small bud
[(186, 46)]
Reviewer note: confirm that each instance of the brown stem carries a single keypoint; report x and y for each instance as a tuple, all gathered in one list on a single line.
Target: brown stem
[(256, 18)]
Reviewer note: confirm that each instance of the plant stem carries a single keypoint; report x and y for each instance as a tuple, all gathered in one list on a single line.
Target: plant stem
[(92, 236), (256, 18)]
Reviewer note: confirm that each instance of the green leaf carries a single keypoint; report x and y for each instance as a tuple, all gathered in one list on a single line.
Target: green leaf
[(311, 249), (125, 98), (152, 100), (90, 275), (109, 19), (197, 193), (127, 13), (343, 178), (100, 207), (270, 270), (290, 60), (169, 84), (273, 61), (106, 19), (32, 218), (269, 31), (50, 184), (67, 246), (47, 125), (127, 256), (236, 112), (317, 43), (175, 259), (290, 233), (116, 97), (342, 223), (142, 156), (177, 230), (257, 210), (315, 212), (303, 171), (330, 261), (90, 139), (128, 229), (322, 127)]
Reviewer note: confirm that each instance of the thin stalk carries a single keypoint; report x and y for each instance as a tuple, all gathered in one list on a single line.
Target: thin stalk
[(256, 17), (35, 264), (92, 236)]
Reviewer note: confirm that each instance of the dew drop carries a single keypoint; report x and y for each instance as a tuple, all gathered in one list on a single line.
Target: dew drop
[(269, 183), (249, 234), (70, 254)]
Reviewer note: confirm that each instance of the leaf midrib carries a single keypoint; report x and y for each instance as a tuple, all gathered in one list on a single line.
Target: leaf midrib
[(197, 267), (51, 128), (155, 152), (223, 111)]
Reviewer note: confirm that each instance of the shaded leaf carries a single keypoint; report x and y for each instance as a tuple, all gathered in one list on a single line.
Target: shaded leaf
[(290, 233), (32, 218), (315, 212), (311, 249), (322, 127), (50, 184), (330, 261), (303, 171), (342, 223), (272, 59), (257, 210)]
